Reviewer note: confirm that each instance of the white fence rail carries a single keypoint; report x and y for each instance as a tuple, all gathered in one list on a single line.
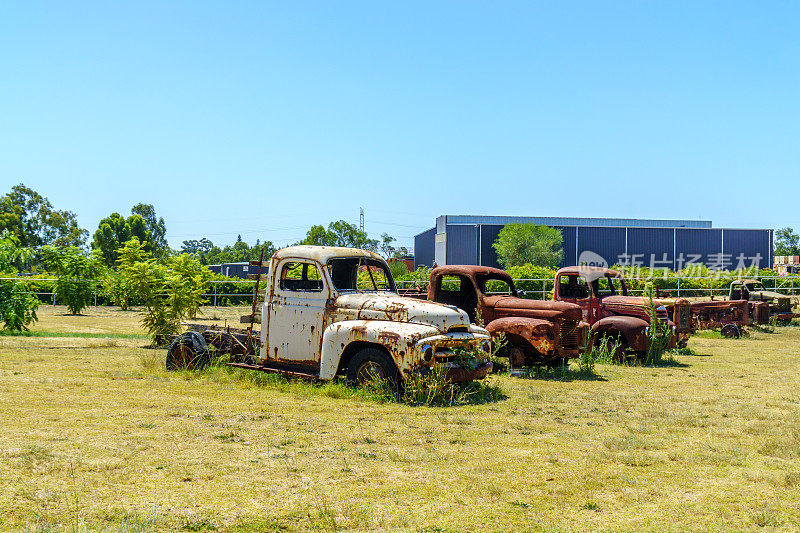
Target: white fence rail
[(543, 290)]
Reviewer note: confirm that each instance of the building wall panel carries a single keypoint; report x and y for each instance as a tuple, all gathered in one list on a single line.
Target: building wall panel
[(462, 245), (651, 247), (607, 242), (423, 248)]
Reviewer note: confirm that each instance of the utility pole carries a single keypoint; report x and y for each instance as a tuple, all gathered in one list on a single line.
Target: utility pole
[(361, 219)]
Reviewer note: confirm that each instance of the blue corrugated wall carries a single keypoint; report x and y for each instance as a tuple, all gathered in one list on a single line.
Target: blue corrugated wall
[(472, 244)]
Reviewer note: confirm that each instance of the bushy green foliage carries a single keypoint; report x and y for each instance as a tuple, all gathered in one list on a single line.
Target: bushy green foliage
[(114, 231), (340, 233), (787, 242), (518, 244), (17, 304), (240, 251), (76, 274), (156, 229), (168, 292), (117, 286), (33, 219), (398, 269)]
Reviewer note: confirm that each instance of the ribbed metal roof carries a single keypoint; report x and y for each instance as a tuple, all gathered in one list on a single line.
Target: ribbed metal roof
[(572, 221)]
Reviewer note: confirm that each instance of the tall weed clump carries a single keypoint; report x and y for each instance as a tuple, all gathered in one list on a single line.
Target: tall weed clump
[(432, 389), (659, 333), (605, 350)]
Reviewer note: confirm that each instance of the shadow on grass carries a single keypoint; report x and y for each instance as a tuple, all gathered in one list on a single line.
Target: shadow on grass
[(555, 374), (429, 390)]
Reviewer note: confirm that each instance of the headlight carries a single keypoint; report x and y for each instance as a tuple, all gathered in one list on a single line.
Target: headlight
[(427, 353), (486, 346)]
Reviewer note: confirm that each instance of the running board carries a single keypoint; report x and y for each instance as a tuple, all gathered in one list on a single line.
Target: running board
[(278, 370)]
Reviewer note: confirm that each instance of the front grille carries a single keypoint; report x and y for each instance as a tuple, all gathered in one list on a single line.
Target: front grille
[(684, 316), (569, 334)]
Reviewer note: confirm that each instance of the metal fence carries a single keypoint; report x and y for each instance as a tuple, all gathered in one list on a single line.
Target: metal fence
[(542, 291)]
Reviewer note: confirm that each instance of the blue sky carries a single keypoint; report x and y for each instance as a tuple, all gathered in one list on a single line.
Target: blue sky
[(261, 119)]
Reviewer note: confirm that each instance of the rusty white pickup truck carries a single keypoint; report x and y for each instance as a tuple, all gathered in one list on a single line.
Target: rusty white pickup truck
[(327, 312)]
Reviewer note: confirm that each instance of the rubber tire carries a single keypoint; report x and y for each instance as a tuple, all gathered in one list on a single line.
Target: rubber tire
[(375, 356), (730, 331), (198, 348)]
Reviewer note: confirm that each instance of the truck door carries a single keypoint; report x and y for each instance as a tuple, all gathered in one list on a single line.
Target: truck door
[(574, 289), (296, 311)]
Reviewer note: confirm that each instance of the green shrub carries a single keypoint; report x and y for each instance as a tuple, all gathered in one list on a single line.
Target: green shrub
[(76, 273), (169, 291), (17, 306)]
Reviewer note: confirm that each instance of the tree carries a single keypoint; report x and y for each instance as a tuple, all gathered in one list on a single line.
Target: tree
[(155, 227), (386, 245), (518, 244), (200, 247), (239, 252), (32, 218), (116, 285), (17, 304), (114, 231), (340, 233), (169, 291), (787, 242), (76, 273)]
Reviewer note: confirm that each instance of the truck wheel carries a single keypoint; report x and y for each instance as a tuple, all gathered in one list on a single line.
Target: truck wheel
[(730, 331), (369, 364), (187, 352)]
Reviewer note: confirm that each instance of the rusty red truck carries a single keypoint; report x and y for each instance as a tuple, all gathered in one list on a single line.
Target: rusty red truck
[(602, 295), (536, 331)]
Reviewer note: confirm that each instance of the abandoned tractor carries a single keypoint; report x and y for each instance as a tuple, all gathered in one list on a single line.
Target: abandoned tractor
[(773, 304), (603, 297), (327, 312), (729, 317), (536, 331)]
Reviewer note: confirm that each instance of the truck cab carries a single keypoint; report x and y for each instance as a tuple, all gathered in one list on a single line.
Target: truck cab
[(602, 294)]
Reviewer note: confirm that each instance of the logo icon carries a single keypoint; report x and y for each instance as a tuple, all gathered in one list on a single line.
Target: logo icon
[(591, 265)]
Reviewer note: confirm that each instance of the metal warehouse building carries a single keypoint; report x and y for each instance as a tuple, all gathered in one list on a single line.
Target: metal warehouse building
[(468, 239)]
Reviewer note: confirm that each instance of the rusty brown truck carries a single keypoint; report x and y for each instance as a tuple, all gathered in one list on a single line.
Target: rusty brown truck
[(537, 332), (603, 296)]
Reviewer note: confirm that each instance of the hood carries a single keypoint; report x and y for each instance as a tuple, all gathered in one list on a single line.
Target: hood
[(388, 306), (635, 305), (767, 295), (543, 309)]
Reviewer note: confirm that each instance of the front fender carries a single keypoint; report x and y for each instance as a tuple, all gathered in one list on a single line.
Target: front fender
[(398, 338), (632, 329), (539, 333)]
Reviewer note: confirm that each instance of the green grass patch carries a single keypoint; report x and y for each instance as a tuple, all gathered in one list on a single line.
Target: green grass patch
[(431, 390)]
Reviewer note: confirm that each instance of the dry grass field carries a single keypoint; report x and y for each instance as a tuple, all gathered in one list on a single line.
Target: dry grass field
[(96, 436)]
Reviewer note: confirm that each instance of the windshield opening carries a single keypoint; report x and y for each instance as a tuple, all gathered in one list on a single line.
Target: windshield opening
[(491, 284), (360, 274), (607, 286)]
